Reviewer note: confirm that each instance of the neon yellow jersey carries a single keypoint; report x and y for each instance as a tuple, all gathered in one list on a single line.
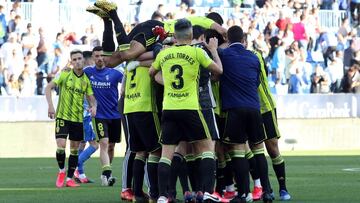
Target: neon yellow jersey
[(202, 21), (139, 91), (267, 102), (73, 88), (180, 66), (215, 86)]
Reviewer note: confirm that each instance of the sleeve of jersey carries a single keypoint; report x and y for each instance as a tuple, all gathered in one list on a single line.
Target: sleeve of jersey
[(89, 90), (203, 58), (58, 78), (201, 21)]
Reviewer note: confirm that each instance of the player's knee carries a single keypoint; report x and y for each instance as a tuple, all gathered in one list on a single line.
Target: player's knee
[(273, 152), (74, 152), (204, 145), (154, 158), (272, 148), (61, 143), (60, 150), (258, 151), (104, 142), (142, 154), (95, 145), (156, 153), (181, 148), (257, 146), (167, 151)]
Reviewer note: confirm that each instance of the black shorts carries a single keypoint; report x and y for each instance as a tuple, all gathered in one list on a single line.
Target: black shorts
[(63, 128), (209, 117), (110, 128), (144, 131), (183, 125), (220, 121), (271, 125), (143, 33), (243, 124)]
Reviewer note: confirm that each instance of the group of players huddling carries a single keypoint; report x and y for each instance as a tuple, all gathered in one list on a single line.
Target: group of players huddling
[(195, 105)]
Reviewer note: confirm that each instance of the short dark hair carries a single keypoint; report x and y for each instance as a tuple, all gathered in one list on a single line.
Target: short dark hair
[(76, 51), (235, 34), (183, 30), (198, 31), (87, 54), (182, 24), (156, 15), (97, 48), (213, 33), (215, 17)]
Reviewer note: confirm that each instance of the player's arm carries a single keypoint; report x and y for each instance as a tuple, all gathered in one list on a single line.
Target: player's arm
[(123, 83), (146, 63), (93, 104), (114, 60), (146, 56), (216, 66), (134, 64), (155, 66), (159, 78), (208, 24), (152, 71), (145, 59), (51, 109), (90, 98), (220, 29)]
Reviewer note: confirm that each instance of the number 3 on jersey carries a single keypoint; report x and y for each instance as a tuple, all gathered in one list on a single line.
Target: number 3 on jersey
[(132, 82), (179, 83)]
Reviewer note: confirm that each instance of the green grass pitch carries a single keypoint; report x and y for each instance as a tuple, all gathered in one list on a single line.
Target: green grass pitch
[(310, 179)]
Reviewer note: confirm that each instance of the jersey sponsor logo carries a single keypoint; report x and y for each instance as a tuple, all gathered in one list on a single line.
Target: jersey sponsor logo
[(178, 95), (107, 77), (101, 85), (133, 96), (75, 90)]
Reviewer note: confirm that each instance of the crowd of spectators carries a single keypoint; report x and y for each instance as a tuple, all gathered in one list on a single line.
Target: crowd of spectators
[(302, 55), (29, 57)]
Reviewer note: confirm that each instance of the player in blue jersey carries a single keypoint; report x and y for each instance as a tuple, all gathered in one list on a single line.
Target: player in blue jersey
[(107, 122), (108, 46)]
